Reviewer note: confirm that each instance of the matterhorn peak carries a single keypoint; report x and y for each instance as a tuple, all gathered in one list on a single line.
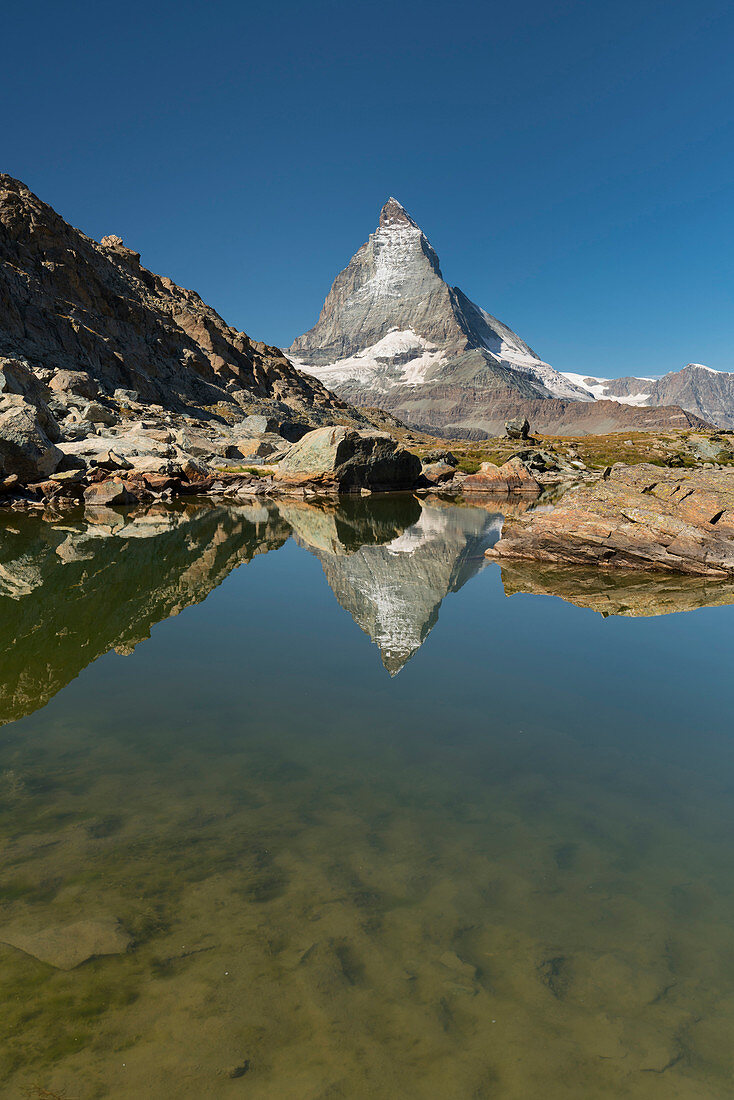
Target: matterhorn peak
[(394, 213), (393, 333)]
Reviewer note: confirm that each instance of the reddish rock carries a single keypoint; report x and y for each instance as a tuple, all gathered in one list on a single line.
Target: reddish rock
[(436, 473), (510, 478), (158, 483), (640, 517), (112, 491)]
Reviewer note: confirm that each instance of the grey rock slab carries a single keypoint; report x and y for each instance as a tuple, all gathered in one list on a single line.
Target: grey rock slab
[(355, 459)]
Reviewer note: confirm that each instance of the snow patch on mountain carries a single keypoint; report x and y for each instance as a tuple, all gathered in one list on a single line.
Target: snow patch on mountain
[(399, 358), (549, 379), (392, 247), (599, 389)]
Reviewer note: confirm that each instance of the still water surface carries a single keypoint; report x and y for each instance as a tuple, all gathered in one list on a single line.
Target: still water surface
[(337, 847)]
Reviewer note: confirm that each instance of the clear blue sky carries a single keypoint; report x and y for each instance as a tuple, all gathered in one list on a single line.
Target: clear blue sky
[(571, 162)]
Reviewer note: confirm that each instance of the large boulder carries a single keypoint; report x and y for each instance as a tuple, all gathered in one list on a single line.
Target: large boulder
[(18, 380), (639, 517), (25, 448), (517, 428), (291, 430), (258, 446), (438, 473), (351, 460), (512, 477), (70, 384), (98, 414)]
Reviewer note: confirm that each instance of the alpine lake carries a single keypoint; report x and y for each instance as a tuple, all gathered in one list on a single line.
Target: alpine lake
[(272, 827)]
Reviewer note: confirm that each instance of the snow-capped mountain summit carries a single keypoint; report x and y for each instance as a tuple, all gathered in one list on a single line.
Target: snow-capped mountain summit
[(393, 333), (391, 321)]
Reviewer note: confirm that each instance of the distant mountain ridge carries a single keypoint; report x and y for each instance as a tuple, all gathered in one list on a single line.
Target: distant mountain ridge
[(394, 334), (699, 389)]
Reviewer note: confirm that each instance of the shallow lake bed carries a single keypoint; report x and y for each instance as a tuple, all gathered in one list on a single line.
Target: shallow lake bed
[(490, 857)]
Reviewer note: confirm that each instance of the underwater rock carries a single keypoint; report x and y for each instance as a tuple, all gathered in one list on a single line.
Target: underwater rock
[(66, 946)]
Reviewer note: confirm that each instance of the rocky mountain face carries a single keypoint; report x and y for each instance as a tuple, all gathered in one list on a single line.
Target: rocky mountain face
[(697, 389), (394, 334), (90, 338)]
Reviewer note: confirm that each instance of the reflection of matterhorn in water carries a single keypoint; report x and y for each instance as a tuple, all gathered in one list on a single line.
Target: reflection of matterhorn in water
[(393, 591)]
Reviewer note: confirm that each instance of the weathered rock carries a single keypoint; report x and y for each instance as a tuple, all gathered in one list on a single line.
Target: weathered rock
[(114, 461), (257, 447), (98, 414), (517, 428), (512, 477), (639, 517), (112, 491), (18, 380), (288, 429), (193, 469), (126, 397), (539, 462), (25, 449), (67, 477), (437, 473), (351, 459), (74, 383), (446, 457)]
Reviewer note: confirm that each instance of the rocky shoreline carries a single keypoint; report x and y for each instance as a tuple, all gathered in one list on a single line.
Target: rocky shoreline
[(558, 510), (633, 518), (118, 387)]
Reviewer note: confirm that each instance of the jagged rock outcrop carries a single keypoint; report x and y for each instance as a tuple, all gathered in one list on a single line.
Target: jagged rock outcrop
[(392, 333), (90, 339), (696, 388), (639, 517)]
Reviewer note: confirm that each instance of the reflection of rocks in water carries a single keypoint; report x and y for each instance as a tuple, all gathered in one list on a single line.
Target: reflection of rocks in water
[(74, 589), (633, 594), (393, 591), (341, 527)]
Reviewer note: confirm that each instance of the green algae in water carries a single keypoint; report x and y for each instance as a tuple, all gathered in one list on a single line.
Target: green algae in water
[(503, 872)]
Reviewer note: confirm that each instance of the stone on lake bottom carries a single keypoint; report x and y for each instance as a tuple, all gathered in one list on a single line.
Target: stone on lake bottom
[(66, 946)]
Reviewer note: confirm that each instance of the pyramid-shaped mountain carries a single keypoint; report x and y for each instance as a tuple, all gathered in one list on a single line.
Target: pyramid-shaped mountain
[(394, 334)]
